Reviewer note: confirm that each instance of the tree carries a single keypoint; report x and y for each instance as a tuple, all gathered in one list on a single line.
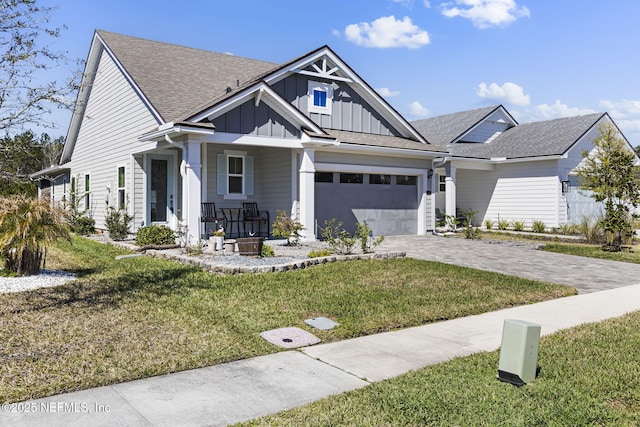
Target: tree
[(23, 155), (610, 173), (27, 227), (25, 59)]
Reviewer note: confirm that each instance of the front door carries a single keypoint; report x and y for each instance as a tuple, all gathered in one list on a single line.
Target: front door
[(161, 200)]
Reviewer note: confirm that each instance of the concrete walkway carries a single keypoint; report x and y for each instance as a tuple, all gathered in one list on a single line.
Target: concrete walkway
[(239, 391)]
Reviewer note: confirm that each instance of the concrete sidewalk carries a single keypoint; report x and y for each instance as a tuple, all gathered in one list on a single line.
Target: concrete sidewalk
[(239, 391)]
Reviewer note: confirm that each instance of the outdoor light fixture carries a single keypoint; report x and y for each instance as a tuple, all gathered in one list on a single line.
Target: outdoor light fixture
[(565, 187), (430, 173)]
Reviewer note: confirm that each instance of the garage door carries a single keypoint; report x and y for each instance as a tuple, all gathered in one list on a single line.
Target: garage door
[(389, 203)]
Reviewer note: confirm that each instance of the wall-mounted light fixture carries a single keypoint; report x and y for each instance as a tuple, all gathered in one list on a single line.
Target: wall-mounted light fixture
[(565, 187), (430, 173)]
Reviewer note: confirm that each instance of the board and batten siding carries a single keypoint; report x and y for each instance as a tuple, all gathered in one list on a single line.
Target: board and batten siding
[(350, 112), (260, 121), (114, 118), (515, 191)]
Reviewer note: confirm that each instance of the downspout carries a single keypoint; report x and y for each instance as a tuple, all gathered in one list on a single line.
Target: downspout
[(438, 162)]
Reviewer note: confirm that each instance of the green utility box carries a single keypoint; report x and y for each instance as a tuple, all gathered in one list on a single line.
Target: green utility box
[(519, 352)]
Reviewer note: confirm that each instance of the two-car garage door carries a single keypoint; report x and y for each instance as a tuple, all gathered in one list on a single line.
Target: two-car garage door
[(389, 203)]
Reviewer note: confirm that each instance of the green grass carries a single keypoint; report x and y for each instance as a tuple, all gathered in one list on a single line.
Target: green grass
[(590, 375), (139, 317), (631, 254)]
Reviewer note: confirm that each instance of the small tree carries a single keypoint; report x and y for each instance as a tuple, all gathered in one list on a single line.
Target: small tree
[(286, 227), (27, 227), (609, 172)]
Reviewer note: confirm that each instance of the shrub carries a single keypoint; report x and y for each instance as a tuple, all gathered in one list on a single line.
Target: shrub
[(567, 229), (470, 232), (339, 239), (27, 227), (518, 225), (364, 233), (538, 226), (267, 251), (286, 227), (503, 224), (591, 229), (118, 223), (155, 235), (319, 253), (83, 225), (488, 224)]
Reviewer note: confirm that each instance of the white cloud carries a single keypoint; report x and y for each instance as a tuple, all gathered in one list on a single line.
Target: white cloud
[(508, 93), (557, 110), (387, 93), (418, 110), (409, 3), (387, 32), (486, 13)]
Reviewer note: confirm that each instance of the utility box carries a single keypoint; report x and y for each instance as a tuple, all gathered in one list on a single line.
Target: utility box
[(519, 352)]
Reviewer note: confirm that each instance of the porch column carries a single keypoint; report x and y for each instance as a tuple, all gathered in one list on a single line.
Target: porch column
[(307, 193), (450, 190), (191, 170)]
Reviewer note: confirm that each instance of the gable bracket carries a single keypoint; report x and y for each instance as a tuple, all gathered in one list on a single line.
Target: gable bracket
[(324, 72)]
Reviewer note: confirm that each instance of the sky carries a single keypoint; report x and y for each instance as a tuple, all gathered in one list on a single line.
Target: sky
[(541, 59)]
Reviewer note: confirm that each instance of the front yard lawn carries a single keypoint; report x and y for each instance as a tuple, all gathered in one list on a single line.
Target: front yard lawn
[(590, 376), (139, 317), (630, 254)]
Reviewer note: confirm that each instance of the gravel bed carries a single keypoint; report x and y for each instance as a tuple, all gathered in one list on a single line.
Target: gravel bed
[(45, 279)]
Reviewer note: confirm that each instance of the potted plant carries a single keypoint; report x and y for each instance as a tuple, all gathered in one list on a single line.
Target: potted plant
[(218, 239)]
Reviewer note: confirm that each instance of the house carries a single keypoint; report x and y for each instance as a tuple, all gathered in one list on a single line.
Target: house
[(505, 170), (158, 129)]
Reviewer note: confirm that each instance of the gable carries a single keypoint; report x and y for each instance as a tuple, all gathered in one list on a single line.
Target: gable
[(261, 120), (488, 129), (349, 110), (111, 110)]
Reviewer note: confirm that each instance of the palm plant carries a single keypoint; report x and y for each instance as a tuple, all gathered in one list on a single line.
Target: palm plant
[(27, 227)]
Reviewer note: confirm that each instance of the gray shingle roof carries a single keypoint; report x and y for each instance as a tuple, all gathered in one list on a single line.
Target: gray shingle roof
[(175, 78), (443, 130), (536, 139), (384, 141)]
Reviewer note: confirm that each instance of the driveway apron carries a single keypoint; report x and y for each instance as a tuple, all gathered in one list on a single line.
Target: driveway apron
[(518, 259)]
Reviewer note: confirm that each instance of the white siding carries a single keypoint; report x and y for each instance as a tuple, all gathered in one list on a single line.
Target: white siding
[(493, 126), (115, 116), (515, 191)]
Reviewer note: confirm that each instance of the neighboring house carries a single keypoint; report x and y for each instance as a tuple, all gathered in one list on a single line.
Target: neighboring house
[(158, 129), (510, 171)]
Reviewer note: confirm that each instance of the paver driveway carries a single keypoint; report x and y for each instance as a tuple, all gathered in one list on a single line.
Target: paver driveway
[(585, 274)]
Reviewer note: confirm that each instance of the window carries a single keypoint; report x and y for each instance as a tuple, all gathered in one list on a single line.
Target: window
[(324, 176), (442, 180), (320, 97), (121, 190), (351, 178), (234, 174), (380, 179), (87, 201), (406, 180)]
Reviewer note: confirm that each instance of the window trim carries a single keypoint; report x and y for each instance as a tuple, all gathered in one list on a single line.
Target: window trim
[(223, 175), (314, 87), (87, 192), (121, 188)]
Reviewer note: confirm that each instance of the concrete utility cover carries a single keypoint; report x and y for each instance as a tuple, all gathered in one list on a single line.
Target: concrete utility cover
[(290, 337), (323, 323)]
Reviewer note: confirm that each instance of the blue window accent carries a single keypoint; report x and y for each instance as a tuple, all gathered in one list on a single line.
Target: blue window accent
[(319, 98)]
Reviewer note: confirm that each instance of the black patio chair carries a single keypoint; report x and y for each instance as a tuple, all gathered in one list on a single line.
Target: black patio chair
[(209, 214), (251, 214)]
